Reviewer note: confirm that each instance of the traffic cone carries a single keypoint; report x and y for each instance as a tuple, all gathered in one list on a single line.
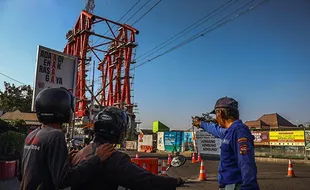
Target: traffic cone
[(290, 170), (137, 156), (164, 169), (202, 174), (159, 168), (193, 158), (169, 159), (144, 166), (199, 158)]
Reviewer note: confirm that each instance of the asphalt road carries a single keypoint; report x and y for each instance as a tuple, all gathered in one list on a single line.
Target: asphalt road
[(270, 177)]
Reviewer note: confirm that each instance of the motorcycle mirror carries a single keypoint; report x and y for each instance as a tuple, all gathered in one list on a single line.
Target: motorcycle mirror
[(178, 161)]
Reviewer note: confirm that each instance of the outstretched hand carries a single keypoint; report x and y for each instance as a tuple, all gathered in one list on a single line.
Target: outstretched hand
[(196, 121)]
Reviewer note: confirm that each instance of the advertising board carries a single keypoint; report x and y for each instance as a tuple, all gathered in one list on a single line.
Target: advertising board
[(146, 143), (131, 145), (54, 69), (207, 144), (187, 141), (172, 141), (287, 138), (307, 140), (261, 138), (160, 141)]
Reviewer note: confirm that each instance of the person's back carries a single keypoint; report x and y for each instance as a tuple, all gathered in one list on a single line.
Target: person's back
[(110, 127), (35, 170), (118, 170), (45, 164)]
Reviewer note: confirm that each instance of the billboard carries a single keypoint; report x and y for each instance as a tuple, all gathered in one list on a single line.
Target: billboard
[(54, 69), (187, 141), (160, 141), (307, 140), (287, 138), (172, 141), (261, 138), (207, 144)]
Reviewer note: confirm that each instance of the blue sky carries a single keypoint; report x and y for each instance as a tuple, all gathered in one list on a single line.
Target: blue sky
[(262, 59)]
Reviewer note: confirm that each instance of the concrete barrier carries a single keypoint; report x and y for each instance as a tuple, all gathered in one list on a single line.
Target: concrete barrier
[(281, 160)]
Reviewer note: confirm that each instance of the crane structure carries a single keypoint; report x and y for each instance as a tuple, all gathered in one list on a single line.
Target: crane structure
[(114, 57)]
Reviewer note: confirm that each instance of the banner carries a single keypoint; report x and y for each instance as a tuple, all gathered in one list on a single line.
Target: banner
[(307, 136), (131, 145), (160, 141), (261, 138), (172, 141), (287, 138), (187, 141), (207, 144), (54, 69)]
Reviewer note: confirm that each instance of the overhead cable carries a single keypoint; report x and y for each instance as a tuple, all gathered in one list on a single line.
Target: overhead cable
[(207, 30)]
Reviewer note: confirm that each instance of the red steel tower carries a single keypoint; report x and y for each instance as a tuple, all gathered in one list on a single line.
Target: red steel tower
[(113, 56)]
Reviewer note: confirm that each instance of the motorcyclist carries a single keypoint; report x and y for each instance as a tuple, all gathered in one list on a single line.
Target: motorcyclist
[(45, 163), (110, 127)]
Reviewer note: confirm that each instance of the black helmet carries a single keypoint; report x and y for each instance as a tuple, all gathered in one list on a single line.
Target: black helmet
[(111, 124), (54, 105)]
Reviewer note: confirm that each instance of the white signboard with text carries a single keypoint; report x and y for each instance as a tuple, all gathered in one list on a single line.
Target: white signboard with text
[(54, 69), (207, 144)]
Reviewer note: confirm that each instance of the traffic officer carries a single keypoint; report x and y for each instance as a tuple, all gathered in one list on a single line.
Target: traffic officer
[(45, 162), (237, 168), (110, 127)]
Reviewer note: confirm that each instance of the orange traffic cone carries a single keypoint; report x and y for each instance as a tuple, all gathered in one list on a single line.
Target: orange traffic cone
[(290, 170), (164, 169), (137, 156), (169, 159), (159, 168), (144, 166), (199, 158), (193, 158), (202, 174)]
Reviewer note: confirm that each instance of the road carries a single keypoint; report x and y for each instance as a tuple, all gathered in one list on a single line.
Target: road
[(270, 176)]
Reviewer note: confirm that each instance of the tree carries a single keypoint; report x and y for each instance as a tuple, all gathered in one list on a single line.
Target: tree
[(11, 145), (16, 98), (20, 126)]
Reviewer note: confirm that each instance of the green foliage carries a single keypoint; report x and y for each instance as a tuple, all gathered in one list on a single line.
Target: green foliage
[(19, 125), (4, 126), (16, 98), (11, 145)]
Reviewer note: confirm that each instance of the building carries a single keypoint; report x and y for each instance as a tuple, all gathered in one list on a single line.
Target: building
[(270, 121), (31, 119)]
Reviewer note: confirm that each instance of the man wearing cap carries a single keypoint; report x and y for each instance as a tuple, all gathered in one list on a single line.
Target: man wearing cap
[(237, 168)]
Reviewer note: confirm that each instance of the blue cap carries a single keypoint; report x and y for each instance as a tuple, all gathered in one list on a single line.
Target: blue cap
[(225, 102)]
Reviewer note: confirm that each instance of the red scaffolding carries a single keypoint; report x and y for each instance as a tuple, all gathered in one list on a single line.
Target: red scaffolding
[(114, 64)]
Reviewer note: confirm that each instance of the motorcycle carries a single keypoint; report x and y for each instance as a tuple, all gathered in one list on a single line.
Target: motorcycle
[(176, 162)]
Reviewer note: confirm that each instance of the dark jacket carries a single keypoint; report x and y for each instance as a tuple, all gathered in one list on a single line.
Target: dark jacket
[(45, 162), (118, 170)]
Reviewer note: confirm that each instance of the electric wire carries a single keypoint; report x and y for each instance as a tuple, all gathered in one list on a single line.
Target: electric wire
[(146, 13), (201, 34), (12, 78), (202, 20)]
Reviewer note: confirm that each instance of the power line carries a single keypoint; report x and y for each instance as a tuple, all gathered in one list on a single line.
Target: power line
[(194, 37), (119, 20), (137, 11), (146, 13), (12, 78), (178, 34), (128, 11)]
